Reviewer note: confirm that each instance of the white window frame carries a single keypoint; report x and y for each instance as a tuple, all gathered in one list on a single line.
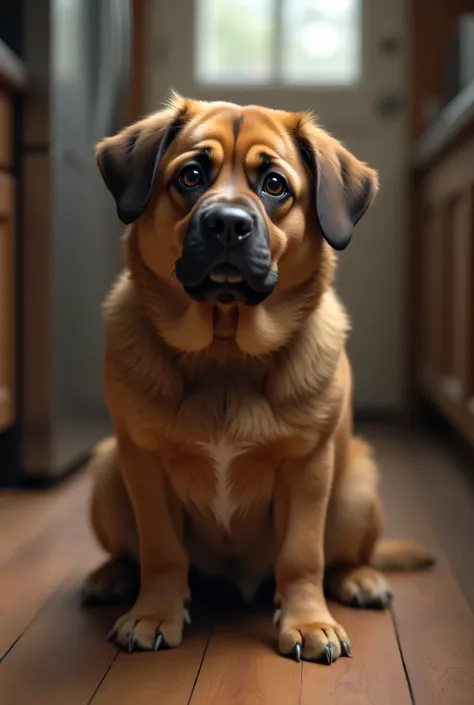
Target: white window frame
[(277, 79)]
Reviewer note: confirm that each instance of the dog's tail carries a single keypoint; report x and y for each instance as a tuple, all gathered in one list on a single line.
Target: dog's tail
[(388, 554), (398, 554)]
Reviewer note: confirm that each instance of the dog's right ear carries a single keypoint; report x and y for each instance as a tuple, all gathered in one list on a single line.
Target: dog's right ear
[(129, 161), (344, 186)]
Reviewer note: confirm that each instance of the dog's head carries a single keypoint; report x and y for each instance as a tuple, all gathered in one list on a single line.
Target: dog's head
[(233, 206)]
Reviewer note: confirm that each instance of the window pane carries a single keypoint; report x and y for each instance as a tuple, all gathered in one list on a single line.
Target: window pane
[(234, 41), (321, 41)]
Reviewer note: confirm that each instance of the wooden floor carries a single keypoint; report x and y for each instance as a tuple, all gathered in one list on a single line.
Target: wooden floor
[(54, 653)]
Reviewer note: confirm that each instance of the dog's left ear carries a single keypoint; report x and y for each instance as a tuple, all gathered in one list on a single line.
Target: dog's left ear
[(129, 161), (344, 187)]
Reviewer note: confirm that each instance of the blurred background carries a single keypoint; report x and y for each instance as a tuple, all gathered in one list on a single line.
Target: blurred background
[(392, 79)]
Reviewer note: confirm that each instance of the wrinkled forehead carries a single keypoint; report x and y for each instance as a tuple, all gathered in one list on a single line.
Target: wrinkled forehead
[(242, 131)]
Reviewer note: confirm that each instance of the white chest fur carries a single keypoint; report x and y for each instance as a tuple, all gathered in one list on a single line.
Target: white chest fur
[(221, 455)]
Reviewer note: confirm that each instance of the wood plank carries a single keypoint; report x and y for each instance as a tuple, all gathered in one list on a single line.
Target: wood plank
[(24, 514), (242, 666), (430, 497), (434, 621), (447, 496), (150, 678), (29, 579), (62, 657), (436, 631), (374, 675)]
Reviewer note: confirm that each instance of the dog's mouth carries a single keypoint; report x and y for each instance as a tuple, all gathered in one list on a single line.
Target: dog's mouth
[(226, 273), (226, 284), (220, 264)]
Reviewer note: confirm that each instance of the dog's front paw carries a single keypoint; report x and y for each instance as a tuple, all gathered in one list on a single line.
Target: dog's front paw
[(150, 629), (322, 642)]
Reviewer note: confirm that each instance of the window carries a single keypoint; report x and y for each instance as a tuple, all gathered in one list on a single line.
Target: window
[(268, 42)]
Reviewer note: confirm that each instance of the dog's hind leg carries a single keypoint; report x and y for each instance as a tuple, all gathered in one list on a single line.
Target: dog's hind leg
[(353, 527), (355, 556), (117, 580)]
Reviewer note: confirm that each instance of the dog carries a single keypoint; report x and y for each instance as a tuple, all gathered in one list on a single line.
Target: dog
[(227, 380)]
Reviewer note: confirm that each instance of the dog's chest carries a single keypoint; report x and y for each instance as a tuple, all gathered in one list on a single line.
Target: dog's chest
[(222, 456)]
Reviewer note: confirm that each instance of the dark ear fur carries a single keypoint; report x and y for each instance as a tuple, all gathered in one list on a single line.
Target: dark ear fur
[(128, 161), (344, 186)]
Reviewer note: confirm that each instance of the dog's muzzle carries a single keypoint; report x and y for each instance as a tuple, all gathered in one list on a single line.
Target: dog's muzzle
[(226, 256)]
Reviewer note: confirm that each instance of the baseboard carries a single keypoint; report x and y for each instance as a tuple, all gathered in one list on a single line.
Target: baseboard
[(9, 455), (365, 415), (47, 481), (435, 423)]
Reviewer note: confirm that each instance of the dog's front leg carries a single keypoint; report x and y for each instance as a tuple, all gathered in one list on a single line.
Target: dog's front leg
[(156, 619), (306, 627)]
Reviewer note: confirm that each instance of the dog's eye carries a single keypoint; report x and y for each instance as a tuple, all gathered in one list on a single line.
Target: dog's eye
[(191, 176), (275, 185)]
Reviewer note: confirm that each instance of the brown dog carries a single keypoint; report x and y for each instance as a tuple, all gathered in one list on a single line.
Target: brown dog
[(227, 380)]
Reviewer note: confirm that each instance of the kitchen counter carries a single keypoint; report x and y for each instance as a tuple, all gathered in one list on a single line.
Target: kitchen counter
[(453, 119), (12, 69)]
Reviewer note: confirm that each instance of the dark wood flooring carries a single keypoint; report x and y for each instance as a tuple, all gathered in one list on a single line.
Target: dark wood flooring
[(421, 651)]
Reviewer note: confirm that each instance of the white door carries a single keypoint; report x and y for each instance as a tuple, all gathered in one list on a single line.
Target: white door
[(344, 59)]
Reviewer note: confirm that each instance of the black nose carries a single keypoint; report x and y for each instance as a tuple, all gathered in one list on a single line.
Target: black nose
[(230, 224)]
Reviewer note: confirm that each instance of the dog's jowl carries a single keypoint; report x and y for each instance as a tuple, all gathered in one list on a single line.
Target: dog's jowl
[(227, 380)]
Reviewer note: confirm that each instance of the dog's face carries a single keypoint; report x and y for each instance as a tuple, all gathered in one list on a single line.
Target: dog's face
[(238, 190), (232, 204)]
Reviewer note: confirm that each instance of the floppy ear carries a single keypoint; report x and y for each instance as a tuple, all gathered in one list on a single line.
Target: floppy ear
[(128, 161), (344, 187)]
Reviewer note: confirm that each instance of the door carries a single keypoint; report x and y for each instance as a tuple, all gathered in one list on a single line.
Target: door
[(344, 59)]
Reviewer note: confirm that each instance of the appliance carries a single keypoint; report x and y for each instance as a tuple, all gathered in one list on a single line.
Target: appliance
[(459, 63), (78, 55)]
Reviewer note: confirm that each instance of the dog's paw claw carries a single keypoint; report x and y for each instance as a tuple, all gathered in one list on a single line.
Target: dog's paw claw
[(380, 603), (186, 616), (297, 652), (328, 656), (112, 635), (319, 642), (159, 642), (346, 649), (131, 643)]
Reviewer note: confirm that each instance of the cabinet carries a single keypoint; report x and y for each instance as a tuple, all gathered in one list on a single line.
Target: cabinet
[(446, 278), (7, 270), (6, 131)]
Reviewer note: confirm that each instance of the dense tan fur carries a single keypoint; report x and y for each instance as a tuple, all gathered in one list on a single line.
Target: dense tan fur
[(272, 381)]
